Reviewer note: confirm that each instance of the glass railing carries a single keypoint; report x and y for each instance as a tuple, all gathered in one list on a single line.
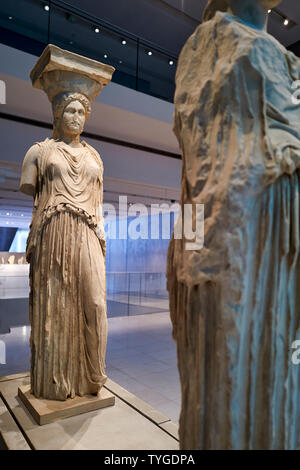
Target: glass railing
[(139, 65), (128, 293), (136, 293)]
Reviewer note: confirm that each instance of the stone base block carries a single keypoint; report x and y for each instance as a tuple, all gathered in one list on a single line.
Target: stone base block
[(47, 411)]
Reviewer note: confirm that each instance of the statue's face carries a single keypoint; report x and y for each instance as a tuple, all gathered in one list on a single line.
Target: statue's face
[(73, 118)]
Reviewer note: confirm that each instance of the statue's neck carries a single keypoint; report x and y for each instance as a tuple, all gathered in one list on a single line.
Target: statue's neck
[(70, 139), (253, 14)]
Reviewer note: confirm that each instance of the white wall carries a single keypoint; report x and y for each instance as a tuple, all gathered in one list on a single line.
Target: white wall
[(119, 162)]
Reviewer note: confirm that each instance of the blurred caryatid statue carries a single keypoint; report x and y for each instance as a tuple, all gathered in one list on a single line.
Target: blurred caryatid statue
[(235, 303), (66, 244)]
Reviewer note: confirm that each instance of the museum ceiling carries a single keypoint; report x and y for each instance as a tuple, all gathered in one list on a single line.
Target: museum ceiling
[(168, 23), (164, 23)]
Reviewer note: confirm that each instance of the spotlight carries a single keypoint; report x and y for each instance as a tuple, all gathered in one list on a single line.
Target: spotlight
[(105, 56), (10, 17), (269, 11), (46, 7), (286, 22), (97, 30), (149, 53), (124, 42), (171, 62)]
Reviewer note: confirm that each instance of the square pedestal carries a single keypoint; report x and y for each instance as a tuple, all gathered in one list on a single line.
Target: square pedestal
[(47, 411)]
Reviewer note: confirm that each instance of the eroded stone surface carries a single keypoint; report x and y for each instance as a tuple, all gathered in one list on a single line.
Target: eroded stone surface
[(235, 303), (47, 411), (66, 243)]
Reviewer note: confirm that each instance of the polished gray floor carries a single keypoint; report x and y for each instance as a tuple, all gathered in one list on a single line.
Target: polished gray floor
[(141, 356)]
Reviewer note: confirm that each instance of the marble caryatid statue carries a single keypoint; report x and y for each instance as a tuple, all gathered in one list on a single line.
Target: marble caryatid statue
[(235, 303), (66, 243)]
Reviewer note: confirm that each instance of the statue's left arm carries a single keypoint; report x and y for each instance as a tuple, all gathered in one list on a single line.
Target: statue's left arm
[(99, 210), (100, 219)]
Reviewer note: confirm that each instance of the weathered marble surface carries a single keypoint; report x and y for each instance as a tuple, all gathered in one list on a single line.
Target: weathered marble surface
[(47, 411), (66, 244), (235, 304)]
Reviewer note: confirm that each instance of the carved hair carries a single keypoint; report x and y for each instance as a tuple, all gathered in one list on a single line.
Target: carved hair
[(212, 7), (59, 104)]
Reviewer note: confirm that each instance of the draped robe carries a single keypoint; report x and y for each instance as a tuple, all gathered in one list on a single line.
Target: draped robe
[(66, 250), (235, 303)]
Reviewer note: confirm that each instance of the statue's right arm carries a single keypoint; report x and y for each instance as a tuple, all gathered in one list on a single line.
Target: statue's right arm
[(29, 171)]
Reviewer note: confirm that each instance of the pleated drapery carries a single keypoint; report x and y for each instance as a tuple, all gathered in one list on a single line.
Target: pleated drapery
[(66, 249), (235, 303), (68, 310), (240, 388)]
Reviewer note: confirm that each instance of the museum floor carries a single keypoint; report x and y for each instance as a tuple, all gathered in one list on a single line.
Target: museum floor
[(141, 357)]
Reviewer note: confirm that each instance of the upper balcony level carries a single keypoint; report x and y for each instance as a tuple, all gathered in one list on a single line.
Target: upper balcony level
[(140, 64), (31, 24)]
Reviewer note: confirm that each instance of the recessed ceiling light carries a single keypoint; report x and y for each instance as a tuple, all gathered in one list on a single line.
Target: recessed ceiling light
[(124, 42), (286, 22), (97, 30), (171, 62), (46, 7)]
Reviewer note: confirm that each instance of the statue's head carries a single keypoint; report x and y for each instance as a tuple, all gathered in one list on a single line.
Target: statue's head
[(72, 82), (70, 112), (212, 7), (235, 5)]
